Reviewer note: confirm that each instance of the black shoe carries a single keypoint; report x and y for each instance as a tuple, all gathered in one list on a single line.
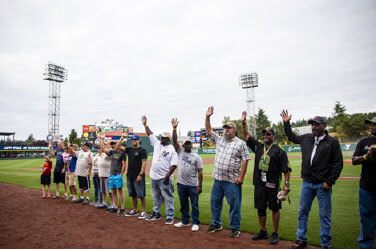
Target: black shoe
[(121, 212), (262, 235), (213, 228), (154, 216), (299, 244), (274, 238), (112, 211), (235, 233)]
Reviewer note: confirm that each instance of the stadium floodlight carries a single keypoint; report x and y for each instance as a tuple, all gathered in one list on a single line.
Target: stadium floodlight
[(249, 82), (56, 75)]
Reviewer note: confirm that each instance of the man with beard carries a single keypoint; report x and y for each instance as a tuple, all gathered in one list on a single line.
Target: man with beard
[(322, 163), (270, 162), (230, 166), (162, 186), (189, 187), (365, 154)]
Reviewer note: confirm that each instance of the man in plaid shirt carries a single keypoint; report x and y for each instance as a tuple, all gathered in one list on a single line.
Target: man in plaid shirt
[(230, 166)]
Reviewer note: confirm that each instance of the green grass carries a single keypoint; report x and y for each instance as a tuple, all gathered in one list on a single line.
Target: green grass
[(345, 212)]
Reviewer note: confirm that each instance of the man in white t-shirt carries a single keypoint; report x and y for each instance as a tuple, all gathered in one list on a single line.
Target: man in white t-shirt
[(164, 162), (83, 171), (104, 164)]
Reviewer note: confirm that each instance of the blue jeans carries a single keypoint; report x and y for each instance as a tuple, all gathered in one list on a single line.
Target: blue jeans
[(97, 188), (367, 210), (186, 192), (307, 194), (161, 191), (233, 194)]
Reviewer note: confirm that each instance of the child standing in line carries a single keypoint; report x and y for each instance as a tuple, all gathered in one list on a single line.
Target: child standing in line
[(66, 171), (45, 178)]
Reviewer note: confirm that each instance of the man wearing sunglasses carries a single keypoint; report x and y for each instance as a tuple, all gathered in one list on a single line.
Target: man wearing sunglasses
[(137, 157), (270, 162), (322, 163)]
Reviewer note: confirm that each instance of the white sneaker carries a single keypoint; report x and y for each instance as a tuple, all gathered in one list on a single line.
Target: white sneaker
[(143, 216), (180, 224), (195, 228)]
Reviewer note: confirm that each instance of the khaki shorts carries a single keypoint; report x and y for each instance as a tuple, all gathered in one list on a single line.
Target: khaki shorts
[(70, 179)]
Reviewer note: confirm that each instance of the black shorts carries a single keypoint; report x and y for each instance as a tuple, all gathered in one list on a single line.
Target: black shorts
[(59, 177), (266, 197), (45, 179), (84, 183)]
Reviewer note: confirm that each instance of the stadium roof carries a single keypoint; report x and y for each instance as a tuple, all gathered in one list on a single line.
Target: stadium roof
[(7, 133)]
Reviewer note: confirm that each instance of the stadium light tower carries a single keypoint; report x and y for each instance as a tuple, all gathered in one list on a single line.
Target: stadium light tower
[(56, 75), (249, 82)]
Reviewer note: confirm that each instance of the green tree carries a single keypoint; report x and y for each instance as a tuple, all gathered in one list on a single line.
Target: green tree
[(77, 141), (280, 136), (340, 118), (354, 126), (30, 139), (72, 135), (262, 122)]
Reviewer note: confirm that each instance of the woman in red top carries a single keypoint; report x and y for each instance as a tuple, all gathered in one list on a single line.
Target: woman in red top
[(45, 178)]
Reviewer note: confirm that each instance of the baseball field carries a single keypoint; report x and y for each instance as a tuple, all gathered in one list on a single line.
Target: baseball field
[(345, 211)]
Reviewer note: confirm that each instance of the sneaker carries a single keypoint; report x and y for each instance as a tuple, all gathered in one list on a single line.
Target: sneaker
[(48, 196), (112, 211), (195, 228), (326, 247), (154, 216), (93, 203), (213, 228), (101, 205), (169, 221), (235, 233), (85, 202), (274, 238), (78, 200), (132, 213), (110, 207), (180, 224), (143, 216), (55, 197), (121, 212), (262, 235), (68, 198), (43, 196), (63, 196), (299, 244)]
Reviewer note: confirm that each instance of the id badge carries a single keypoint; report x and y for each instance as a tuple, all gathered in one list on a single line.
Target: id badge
[(263, 176)]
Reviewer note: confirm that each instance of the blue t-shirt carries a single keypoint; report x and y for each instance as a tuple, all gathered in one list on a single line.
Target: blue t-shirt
[(59, 159), (72, 163)]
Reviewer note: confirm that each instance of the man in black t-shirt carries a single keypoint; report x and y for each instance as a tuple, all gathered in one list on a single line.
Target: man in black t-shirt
[(137, 157), (365, 154), (59, 170), (270, 162)]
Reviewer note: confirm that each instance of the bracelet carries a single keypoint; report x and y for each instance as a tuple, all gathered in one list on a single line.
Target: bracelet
[(146, 126), (287, 183), (365, 157), (174, 128)]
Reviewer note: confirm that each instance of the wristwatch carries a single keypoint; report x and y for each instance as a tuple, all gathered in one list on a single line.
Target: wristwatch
[(287, 183)]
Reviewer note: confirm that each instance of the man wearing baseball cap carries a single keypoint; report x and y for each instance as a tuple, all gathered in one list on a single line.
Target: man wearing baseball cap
[(365, 154), (230, 166), (83, 170), (164, 160), (137, 158), (189, 186), (270, 162), (322, 163)]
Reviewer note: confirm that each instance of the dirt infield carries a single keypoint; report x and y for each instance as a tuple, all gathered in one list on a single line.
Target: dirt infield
[(28, 221)]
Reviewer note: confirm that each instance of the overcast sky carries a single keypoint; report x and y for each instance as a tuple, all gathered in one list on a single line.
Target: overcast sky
[(167, 59)]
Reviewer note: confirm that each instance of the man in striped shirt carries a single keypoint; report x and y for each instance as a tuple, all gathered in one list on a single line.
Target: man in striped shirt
[(230, 166)]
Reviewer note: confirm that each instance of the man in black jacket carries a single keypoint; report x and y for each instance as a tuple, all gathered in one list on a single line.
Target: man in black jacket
[(322, 163)]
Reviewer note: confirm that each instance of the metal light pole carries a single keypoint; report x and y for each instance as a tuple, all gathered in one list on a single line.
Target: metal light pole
[(56, 75), (249, 82)]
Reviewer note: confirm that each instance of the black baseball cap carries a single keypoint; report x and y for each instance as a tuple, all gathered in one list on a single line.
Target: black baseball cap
[(86, 144), (317, 119), (268, 130)]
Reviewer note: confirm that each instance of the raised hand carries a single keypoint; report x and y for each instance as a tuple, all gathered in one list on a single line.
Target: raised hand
[(244, 117), (174, 122), (144, 120), (125, 133), (210, 111), (285, 116)]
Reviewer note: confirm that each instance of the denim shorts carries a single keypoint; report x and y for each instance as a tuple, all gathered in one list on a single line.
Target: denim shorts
[(136, 189), (116, 181)]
